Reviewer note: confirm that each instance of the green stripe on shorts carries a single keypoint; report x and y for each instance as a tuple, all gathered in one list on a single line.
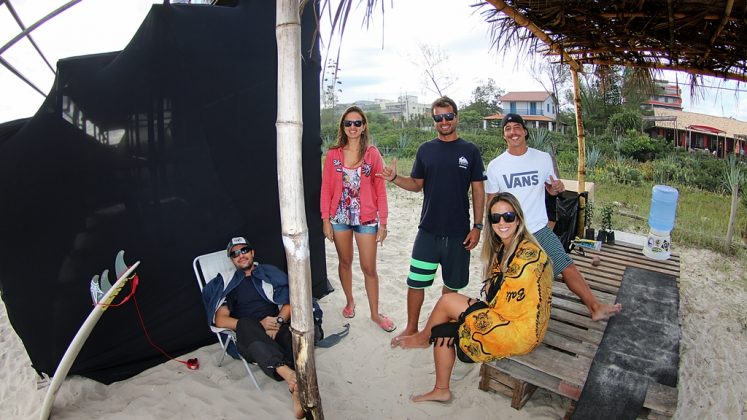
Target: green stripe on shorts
[(421, 277), (423, 265)]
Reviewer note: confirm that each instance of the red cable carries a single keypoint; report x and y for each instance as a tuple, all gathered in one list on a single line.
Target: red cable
[(192, 364)]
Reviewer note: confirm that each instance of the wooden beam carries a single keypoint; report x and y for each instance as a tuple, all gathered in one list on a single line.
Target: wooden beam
[(521, 20), (678, 67), (670, 21), (678, 15), (717, 32)]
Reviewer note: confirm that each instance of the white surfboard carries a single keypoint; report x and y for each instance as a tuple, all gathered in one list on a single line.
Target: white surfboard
[(85, 330)]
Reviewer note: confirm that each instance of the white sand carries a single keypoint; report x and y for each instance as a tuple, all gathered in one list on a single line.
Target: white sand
[(362, 378)]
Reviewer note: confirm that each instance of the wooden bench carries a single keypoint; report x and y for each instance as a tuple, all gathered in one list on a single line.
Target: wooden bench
[(562, 362)]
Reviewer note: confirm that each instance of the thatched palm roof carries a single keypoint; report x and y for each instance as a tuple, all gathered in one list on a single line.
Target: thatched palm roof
[(706, 37)]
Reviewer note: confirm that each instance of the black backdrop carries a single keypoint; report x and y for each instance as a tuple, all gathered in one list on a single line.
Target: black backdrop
[(166, 150)]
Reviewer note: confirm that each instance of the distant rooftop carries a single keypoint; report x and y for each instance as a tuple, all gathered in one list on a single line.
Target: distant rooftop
[(525, 96)]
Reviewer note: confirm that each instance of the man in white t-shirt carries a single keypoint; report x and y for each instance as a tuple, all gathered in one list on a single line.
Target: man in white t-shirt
[(527, 173)]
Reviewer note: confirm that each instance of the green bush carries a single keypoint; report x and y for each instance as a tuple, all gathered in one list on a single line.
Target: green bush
[(621, 172), (640, 147), (624, 121)]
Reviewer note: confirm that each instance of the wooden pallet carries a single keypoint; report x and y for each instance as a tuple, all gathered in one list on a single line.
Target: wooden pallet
[(562, 362)]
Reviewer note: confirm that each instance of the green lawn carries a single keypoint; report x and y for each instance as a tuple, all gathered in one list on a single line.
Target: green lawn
[(701, 219)]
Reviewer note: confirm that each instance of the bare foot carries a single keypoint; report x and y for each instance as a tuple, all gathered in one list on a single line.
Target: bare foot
[(289, 375), (442, 395), (415, 341), (297, 407), (603, 312), (407, 332)]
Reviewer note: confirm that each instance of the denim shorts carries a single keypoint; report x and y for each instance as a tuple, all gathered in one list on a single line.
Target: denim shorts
[(368, 229)]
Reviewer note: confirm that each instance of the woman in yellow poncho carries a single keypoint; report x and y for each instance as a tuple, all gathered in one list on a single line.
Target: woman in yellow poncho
[(512, 318)]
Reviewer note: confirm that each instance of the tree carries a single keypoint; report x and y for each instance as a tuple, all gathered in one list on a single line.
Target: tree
[(332, 85), (552, 77), (485, 99), (637, 86), (620, 122), (734, 177), (639, 146), (434, 61)]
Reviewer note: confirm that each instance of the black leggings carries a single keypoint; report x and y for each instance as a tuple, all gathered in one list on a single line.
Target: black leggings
[(256, 346)]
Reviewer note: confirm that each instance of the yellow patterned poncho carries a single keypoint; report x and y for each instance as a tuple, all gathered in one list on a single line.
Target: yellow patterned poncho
[(516, 320)]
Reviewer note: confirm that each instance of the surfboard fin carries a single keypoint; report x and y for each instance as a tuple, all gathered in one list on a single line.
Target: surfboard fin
[(105, 283), (101, 284), (96, 292), (119, 264)]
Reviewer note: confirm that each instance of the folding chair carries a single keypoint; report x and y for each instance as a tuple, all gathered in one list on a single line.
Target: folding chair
[(206, 267)]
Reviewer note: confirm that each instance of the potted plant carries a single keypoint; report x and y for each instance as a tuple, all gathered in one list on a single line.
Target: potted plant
[(588, 215), (607, 212)]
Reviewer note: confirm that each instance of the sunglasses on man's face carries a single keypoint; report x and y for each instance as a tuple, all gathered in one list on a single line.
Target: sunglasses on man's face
[(240, 251), (348, 123), (508, 216), (439, 117)]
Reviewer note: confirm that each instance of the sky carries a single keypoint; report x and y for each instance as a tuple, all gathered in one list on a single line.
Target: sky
[(374, 62)]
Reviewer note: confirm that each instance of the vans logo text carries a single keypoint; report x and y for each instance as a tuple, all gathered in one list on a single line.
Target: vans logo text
[(522, 179)]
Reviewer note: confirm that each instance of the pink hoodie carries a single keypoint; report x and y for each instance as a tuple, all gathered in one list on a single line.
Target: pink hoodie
[(373, 188)]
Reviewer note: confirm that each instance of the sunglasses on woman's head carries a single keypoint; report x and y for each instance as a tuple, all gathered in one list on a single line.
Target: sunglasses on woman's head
[(508, 216), (348, 123), (240, 251), (449, 117)]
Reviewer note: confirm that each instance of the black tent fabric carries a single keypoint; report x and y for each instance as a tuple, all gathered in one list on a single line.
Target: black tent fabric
[(166, 149)]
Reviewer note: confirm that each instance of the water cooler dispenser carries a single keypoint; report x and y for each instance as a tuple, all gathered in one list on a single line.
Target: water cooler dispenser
[(661, 222)]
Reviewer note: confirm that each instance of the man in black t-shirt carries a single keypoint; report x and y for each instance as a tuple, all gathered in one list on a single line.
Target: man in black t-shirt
[(444, 169)]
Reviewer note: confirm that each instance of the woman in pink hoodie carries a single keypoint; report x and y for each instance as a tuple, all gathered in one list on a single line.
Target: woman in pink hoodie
[(353, 204)]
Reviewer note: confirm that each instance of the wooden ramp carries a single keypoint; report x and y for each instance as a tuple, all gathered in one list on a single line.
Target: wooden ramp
[(562, 362)]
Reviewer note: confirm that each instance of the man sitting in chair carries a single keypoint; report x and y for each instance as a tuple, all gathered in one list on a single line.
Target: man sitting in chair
[(255, 304)]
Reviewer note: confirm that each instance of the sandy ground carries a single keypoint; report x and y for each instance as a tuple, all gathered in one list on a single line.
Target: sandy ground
[(362, 378)]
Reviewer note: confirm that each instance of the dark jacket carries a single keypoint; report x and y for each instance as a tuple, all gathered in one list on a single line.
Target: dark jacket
[(271, 283)]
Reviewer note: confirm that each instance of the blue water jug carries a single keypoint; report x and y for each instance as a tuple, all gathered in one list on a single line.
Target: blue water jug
[(663, 208)]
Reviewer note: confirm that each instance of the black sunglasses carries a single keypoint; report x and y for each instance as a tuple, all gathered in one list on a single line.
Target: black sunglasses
[(348, 123), (240, 251), (449, 117), (508, 216)]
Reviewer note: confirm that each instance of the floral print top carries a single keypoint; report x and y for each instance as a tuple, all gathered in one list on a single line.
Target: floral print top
[(349, 209)]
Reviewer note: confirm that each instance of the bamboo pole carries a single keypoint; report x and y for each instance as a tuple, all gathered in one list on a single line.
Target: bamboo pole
[(292, 206), (581, 151)]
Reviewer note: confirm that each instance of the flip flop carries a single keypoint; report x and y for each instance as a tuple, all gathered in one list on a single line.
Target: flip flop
[(348, 312), (332, 339), (386, 324)]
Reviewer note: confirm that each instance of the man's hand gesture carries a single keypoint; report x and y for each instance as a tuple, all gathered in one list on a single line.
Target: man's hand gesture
[(555, 186), (389, 172)]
